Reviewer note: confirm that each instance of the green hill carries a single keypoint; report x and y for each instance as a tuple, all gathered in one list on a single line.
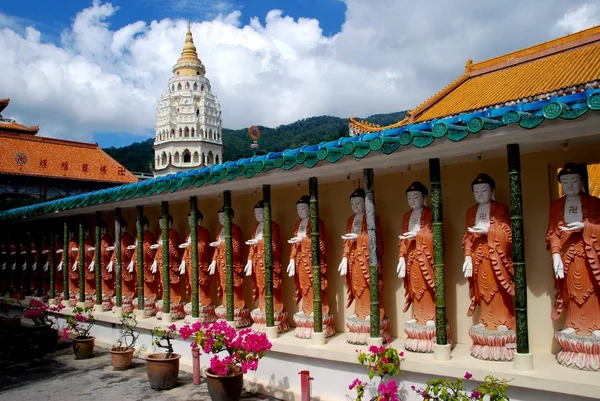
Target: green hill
[(138, 156)]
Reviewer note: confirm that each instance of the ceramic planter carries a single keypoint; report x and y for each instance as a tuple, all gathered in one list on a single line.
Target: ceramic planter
[(122, 357), (224, 388), (162, 371), (83, 347)]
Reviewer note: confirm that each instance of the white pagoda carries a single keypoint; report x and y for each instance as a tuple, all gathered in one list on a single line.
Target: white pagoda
[(188, 118)]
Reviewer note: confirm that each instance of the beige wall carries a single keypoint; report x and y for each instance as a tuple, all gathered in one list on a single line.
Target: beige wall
[(391, 205)]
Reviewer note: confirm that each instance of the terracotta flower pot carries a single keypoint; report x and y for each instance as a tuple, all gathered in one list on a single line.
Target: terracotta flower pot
[(162, 371), (83, 347), (224, 388), (122, 357)]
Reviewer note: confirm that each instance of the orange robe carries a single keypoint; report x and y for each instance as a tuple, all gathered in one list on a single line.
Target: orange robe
[(174, 262), (302, 256), (358, 276), (579, 291), (59, 283), (71, 259), (257, 256), (238, 269), (204, 259), (152, 281), (5, 270), (419, 281), (33, 274), (90, 277), (108, 278), (492, 284), (128, 280)]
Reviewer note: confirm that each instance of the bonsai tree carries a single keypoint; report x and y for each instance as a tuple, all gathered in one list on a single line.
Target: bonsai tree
[(128, 335), (37, 311), (165, 335), (491, 389), (80, 324)]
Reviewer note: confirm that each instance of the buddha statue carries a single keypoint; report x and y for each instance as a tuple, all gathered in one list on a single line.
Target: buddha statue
[(573, 229), (205, 304), (255, 266), (415, 266), (301, 268), (152, 279), (241, 313), (73, 271), (356, 267), (128, 272), (488, 266), (175, 282), (59, 283), (88, 271)]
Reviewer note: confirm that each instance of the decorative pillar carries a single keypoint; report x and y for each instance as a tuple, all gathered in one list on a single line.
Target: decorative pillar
[(164, 226), (315, 238), (228, 255), (523, 359), (194, 255), (81, 260), (97, 260), (373, 271), (441, 349), (26, 275), (65, 263), (39, 244), (139, 251), (269, 312), (118, 272), (51, 264)]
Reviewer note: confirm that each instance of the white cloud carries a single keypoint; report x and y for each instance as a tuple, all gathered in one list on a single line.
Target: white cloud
[(389, 56)]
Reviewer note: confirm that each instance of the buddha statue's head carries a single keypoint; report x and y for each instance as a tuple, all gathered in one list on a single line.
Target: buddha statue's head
[(169, 221), (259, 211), (303, 207), (357, 201), (571, 179), (103, 228), (222, 215), (199, 218), (483, 188), (416, 194), (123, 223), (145, 223)]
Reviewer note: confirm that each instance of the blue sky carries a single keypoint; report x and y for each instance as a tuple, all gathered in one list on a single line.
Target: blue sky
[(94, 70)]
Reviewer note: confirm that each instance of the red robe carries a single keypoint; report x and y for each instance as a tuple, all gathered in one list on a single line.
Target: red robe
[(90, 277), (419, 281), (71, 259), (257, 256), (108, 278), (579, 291), (174, 262), (59, 281), (302, 256), (238, 269), (492, 285), (358, 276), (128, 280), (204, 259)]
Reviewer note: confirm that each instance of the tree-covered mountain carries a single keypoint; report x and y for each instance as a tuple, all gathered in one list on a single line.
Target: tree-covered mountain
[(138, 156)]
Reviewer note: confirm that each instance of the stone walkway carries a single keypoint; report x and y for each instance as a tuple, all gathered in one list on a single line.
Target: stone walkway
[(60, 377)]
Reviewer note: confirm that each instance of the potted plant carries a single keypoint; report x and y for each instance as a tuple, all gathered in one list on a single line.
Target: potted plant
[(45, 327), (491, 389), (122, 352), (163, 367), (234, 353), (382, 361), (11, 318), (78, 328)]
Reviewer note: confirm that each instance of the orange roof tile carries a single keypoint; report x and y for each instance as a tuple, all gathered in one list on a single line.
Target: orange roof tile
[(47, 157), (594, 179)]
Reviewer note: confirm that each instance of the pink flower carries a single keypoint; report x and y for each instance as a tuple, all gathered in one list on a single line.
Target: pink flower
[(355, 383), (65, 333), (401, 354), (476, 394), (173, 327), (468, 376)]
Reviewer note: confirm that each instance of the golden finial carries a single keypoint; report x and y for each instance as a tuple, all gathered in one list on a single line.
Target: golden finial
[(469, 65)]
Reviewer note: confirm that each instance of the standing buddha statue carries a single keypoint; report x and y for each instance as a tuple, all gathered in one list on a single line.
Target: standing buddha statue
[(73, 271), (152, 279)]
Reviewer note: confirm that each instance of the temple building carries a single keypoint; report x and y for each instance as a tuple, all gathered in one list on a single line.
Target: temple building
[(188, 118), (35, 168), (466, 236)]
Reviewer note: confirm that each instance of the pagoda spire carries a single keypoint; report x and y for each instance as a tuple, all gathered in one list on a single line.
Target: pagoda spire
[(189, 63)]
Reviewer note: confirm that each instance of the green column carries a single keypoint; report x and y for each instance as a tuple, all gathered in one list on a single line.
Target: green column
[(65, 261), (194, 256), (518, 252), (164, 226), (139, 230), (81, 259), (269, 313), (51, 262), (372, 232), (228, 255), (40, 266), (315, 240), (26, 274), (438, 250), (118, 272), (97, 254)]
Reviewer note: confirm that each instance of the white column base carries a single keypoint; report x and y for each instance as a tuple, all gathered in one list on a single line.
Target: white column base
[(318, 338), (52, 301), (166, 317), (81, 304), (231, 323), (193, 319), (118, 310), (140, 314), (442, 352), (523, 362), (377, 341), (271, 332), (98, 309), (65, 303)]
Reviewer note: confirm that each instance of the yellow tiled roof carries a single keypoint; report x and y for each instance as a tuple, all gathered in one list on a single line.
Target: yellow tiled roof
[(594, 179), (561, 63)]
